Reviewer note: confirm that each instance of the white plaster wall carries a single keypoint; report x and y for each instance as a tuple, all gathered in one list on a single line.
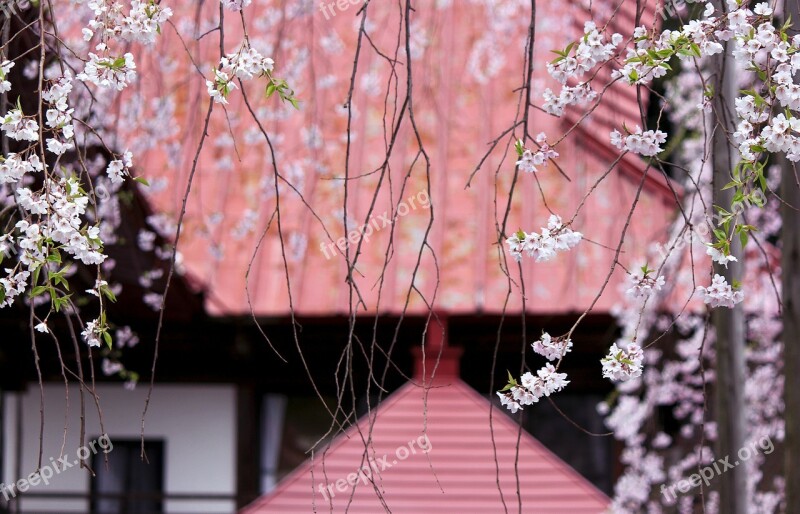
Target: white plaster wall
[(196, 422)]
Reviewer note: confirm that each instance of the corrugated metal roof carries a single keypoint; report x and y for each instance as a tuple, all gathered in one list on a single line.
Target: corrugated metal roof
[(466, 58), (471, 445)]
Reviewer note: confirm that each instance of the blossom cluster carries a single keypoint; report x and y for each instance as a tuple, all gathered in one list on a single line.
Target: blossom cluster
[(759, 46), (579, 94), (531, 388), (720, 293), (554, 238), (142, 23), (530, 161), (59, 116), (109, 71), (62, 204), (20, 127), (623, 365), (643, 283), (91, 333), (552, 348), (119, 168), (646, 143), (13, 285), (575, 61), (647, 60), (13, 167), (590, 51), (245, 64)]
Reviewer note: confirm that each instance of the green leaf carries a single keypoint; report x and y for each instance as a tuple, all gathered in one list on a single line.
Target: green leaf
[(107, 338), (142, 181), (762, 181), (665, 53), (108, 293), (61, 302), (511, 382), (519, 146)]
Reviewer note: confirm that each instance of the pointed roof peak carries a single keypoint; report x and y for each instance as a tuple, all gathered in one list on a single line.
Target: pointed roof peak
[(428, 450), (437, 361)]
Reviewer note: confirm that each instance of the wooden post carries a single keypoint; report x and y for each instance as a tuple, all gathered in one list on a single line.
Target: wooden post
[(790, 263), (729, 323)]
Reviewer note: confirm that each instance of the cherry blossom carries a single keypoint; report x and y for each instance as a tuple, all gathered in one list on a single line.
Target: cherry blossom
[(91, 333), (118, 169), (643, 283), (17, 126), (5, 67), (142, 23), (720, 293), (720, 257), (531, 388), (13, 167), (589, 51), (508, 401), (530, 161), (554, 238), (623, 364), (643, 143), (220, 87), (13, 285), (109, 72), (552, 348)]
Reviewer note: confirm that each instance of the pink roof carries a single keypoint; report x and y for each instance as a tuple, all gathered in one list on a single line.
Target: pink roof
[(466, 58), (457, 474)]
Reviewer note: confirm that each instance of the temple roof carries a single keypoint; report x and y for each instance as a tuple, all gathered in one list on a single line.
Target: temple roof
[(436, 448)]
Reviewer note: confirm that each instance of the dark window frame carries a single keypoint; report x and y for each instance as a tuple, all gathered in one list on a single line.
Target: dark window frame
[(155, 448)]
